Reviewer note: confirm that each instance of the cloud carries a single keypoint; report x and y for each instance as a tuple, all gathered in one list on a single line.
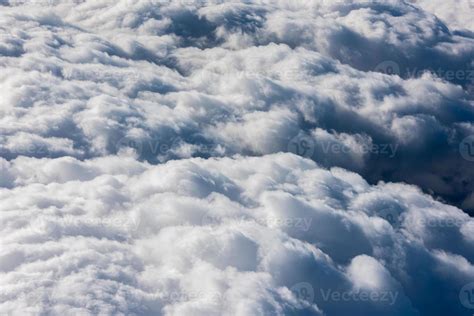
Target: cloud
[(143, 165), (229, 235), (166, 80), (456, 15)]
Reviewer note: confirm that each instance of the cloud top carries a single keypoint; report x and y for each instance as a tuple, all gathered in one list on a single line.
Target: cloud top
[(237, 158), (237, 236)]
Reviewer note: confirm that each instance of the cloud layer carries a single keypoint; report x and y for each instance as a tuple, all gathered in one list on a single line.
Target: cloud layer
[(177, 80), (225, 236), (237, 158)]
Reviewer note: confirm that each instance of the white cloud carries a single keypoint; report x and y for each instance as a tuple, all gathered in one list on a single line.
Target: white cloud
[(171, 81), (104, 105), (456, 13), (221, 236)]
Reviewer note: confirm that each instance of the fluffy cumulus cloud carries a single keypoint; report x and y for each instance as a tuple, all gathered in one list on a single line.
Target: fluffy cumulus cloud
[(380, 88), (236, 157), (456, 14), (239, 236)]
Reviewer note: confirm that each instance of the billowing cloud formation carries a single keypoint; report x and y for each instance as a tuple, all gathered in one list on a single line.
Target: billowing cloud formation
[(105, 106), (182, 79), (456, 14), (242, 236)]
